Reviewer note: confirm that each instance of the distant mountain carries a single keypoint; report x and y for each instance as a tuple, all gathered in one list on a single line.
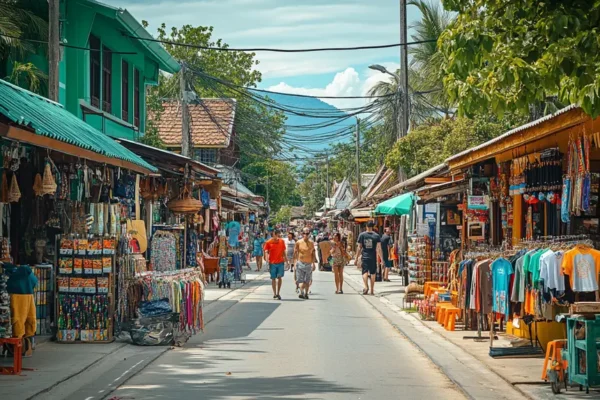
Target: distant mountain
[(300, 128)]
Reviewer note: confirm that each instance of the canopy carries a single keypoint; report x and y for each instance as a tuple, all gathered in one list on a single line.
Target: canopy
[(399, 205)]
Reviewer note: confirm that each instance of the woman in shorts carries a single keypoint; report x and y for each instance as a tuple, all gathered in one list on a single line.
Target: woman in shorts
[(338, 261)]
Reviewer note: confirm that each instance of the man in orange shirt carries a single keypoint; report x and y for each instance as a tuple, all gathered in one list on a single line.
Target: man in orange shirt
[(275, 252)]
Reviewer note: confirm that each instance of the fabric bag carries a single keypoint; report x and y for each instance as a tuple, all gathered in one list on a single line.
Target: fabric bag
[(138, 229)]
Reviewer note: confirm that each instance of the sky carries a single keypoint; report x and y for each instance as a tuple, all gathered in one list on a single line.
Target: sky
[(295, 24)]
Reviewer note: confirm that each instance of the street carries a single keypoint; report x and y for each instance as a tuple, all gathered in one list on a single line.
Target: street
[(329, 347)]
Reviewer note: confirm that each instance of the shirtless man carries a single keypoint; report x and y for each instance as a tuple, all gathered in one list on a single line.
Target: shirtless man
[(305, 258)]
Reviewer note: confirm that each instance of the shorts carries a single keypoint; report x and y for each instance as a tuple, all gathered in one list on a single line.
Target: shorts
[(303, 272), (389, 263), (369, 267), (276, 270)]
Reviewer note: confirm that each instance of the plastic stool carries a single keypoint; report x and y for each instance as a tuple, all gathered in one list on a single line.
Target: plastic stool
[(440, 311), (17, 356), (450, 318), (553, 356)]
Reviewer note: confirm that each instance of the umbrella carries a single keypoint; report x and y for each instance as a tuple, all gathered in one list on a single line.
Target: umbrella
[(399, 205)]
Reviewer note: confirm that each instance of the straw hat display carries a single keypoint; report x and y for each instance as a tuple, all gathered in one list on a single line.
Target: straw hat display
[(38, 186), (14, 193), (48, 183), (185, 203)]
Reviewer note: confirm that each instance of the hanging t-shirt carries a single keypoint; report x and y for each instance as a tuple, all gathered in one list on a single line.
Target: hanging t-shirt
[(501, 271), (581, 264), (534, 266), (550, 271), (233, 232)]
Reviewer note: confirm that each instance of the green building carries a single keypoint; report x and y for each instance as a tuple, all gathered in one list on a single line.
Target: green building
[(105, 66)]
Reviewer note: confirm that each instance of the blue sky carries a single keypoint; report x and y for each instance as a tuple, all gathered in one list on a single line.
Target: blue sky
[(295, 24)]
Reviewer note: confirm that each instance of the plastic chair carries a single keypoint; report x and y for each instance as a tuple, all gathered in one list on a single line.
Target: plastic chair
[(452, 313)]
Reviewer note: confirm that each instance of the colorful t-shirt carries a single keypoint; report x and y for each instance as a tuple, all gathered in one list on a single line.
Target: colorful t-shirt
[(501, 271), (276, 249), (581, 264), (550, 271), (258, 246)]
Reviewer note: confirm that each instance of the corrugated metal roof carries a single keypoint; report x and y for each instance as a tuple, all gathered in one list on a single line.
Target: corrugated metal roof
[(513, 131), (50, 119), (415, 179)]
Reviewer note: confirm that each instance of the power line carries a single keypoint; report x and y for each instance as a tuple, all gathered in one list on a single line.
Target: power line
[(276, 50), (66, 45)]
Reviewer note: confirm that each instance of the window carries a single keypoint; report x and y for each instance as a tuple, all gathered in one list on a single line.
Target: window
[(95, 71), (136, 97), (207, 156), (125, 91), (106, 79)]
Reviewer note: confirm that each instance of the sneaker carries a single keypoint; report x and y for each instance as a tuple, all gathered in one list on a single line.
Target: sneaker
[(275, 296), (301, 296), (341, 292), (305, 297), (278, 297)]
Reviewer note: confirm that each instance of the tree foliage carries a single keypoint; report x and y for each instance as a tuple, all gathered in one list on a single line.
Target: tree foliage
[(283, 215), (279, 178), (510, 55), (431, 143)]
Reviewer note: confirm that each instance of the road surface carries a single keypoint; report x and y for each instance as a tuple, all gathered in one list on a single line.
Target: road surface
[(329, 347)]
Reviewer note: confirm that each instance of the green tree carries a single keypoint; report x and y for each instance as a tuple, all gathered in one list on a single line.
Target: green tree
[(510, 56), (21, 20), (433, 142), (278, 177), (283, 215)]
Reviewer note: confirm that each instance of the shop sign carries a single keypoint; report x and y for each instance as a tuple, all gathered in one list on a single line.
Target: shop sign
[(213, 204), (478, 202)]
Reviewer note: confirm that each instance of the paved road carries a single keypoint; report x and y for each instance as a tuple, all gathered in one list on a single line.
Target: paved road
[(329, 347)]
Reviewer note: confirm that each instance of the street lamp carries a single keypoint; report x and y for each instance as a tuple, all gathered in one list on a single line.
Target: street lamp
[(381, 69)]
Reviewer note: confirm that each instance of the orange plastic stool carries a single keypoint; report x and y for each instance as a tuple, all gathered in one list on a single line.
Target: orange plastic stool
[(441, 311), (450, 318), (17, 357), (554, 357)]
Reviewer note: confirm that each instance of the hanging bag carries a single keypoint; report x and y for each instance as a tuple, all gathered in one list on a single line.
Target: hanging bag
[(14, 193), (48, 183)]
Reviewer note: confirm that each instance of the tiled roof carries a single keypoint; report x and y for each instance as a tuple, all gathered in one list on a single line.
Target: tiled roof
[(211, 122), (50, 119)]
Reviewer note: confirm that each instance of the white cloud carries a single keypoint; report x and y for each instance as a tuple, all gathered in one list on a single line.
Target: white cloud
[(346, 83)]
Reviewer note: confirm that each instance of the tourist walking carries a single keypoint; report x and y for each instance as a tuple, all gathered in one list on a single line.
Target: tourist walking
[(290, 244), (305, 258), (339, 260), (258, 251), (386, 248), (369, 247), (275, 253)]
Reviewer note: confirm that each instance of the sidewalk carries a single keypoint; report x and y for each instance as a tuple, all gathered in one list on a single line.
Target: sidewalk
[(64, 370), (522, 373)]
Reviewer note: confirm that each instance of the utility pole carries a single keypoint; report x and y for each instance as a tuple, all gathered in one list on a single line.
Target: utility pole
[(358, 157), (327, 160), (185, 121), (53, 47), (267, 187), (403, 86)]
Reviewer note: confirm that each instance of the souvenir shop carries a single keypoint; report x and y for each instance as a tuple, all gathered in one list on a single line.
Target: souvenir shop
[(161, 260), (63, 198), (528, 222)]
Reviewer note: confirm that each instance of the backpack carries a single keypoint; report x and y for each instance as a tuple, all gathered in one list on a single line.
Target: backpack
[(205, 198)]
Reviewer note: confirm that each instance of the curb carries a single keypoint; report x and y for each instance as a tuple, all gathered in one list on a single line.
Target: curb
[(390, 307)]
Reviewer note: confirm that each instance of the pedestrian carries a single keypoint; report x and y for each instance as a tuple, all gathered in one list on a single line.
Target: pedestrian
[(305, 258), (258, 252), (386, 248), (290, 244), (275, 253), (369, 247), (339, 259)]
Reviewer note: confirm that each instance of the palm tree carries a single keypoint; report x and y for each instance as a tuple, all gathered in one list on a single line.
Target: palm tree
[(21, 20), (427, 97)]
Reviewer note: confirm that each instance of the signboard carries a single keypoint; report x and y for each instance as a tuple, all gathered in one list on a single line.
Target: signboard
[(478, 202), (213, 204)]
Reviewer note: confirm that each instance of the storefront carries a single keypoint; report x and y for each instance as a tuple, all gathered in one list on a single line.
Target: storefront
[(66, 192), (527, 203)]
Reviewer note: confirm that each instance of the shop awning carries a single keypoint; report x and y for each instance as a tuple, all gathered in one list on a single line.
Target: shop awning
[(399, 205), (361, 212), (523, 135), (47, 124), (168, 160), (417, 180), (432, 192)]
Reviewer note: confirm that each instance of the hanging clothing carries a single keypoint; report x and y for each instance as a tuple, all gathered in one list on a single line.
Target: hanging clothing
[(581, 265), (501, 272)]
